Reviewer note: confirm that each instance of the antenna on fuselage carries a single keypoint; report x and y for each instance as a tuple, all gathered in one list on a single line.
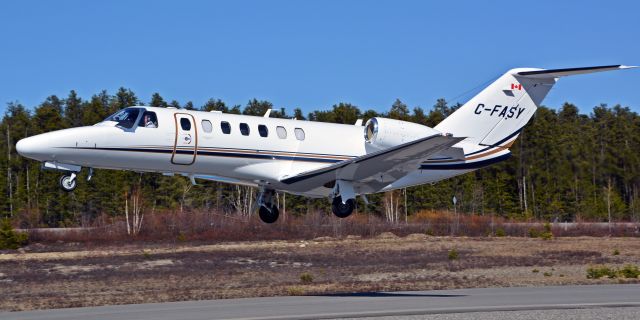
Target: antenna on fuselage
[(266, 114)]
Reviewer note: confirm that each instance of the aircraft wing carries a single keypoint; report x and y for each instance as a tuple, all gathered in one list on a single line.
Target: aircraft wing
[(387, 165)]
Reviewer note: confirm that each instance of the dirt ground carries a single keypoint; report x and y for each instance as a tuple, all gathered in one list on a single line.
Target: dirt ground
[(59, 276)]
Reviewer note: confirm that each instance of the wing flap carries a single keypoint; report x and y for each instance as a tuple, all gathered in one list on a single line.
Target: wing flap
[(449, 154)]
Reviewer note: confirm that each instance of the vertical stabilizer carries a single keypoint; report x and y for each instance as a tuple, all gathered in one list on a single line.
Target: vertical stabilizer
[(498, 113)]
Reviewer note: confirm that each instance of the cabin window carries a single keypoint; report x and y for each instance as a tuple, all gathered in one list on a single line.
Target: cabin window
[(263, 130), (244, 129), (207, 126), (282, 132), (299, 134), (185, 124), (148, 120), (225, 127)]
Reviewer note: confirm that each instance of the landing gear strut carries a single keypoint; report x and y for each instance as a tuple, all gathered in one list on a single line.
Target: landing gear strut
[(68, 182), (268, 210)]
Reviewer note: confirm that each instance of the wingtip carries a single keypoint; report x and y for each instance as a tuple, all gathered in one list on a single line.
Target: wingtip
[(622, 66)]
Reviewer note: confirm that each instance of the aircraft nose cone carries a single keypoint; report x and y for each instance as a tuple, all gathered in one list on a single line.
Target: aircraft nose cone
[(29, 147)]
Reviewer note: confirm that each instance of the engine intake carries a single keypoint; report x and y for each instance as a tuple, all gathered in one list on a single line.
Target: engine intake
[(382, 133)]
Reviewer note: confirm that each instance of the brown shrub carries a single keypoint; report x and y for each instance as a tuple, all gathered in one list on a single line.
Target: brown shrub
[(211, 226)]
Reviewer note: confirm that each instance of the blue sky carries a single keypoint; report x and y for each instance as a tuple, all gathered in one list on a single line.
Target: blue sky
[(313, 54)]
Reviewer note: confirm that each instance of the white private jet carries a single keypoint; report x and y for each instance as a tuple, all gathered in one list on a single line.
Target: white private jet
[(301, 157)]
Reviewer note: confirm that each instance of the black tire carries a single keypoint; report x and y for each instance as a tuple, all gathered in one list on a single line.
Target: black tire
[(268, 215), (342, 210), (67, 184)]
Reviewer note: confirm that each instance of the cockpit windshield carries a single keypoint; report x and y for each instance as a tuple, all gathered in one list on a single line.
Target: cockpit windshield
[(125, 118)]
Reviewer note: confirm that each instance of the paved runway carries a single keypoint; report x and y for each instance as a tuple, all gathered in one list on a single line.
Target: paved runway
[(364, 305)]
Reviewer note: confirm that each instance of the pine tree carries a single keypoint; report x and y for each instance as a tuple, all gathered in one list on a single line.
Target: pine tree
[(73, 109), (399, 111), (215, 105), (257, 107), (158, 101)]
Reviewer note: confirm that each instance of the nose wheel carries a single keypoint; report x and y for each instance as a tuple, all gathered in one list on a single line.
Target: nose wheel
[(68, 182)]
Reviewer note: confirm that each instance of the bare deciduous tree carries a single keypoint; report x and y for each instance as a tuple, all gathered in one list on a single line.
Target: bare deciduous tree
[(391, 206), (137, 215), (9, 178), (242, 200)]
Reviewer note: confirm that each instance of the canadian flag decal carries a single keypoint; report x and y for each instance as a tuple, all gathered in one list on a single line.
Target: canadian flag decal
[(516, 86)]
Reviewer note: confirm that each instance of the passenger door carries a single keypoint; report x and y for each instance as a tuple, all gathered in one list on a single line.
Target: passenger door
[(186, 142)]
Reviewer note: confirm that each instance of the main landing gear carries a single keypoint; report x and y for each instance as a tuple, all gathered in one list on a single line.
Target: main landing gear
[(268, 210), (340, 209), (343, 201)]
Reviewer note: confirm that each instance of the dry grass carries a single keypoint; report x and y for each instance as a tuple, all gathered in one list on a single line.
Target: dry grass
[(70, 275)]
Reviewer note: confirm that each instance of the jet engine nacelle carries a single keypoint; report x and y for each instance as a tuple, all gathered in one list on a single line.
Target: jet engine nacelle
[(382, 133)]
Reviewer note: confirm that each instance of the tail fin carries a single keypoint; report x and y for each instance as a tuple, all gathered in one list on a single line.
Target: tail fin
[(498, 113)]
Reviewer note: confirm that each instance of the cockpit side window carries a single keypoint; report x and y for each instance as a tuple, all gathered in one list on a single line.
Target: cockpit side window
[(148, 120), (125, 118)]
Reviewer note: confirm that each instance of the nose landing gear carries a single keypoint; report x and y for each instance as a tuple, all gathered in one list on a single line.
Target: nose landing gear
[(68, 182)]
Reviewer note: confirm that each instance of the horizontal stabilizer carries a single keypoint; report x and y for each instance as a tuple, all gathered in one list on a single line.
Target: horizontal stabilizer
[(555, 73)]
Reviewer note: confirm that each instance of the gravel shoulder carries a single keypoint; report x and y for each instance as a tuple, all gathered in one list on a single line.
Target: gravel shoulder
[(75, 277)]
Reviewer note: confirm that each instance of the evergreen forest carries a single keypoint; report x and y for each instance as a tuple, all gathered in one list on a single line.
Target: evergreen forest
[(566, 166)]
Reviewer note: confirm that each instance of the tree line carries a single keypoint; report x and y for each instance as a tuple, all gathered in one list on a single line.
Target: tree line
[(566, 166)]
